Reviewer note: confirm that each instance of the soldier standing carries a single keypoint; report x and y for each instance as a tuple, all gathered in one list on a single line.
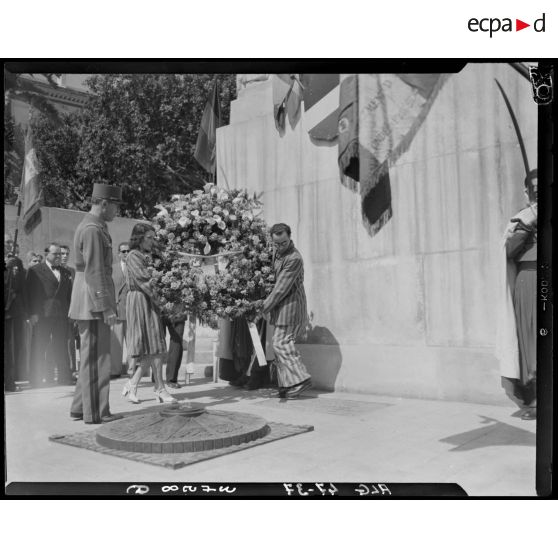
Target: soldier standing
[(93, 306)]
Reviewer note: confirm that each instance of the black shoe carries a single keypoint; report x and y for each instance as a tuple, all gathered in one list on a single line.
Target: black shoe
[(282, 392), (76, 416), (529, 414), (105, 419), (174, 385), (295, 391), (239, 382)]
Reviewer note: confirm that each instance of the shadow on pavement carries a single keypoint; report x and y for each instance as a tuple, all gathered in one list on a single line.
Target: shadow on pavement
[(222, 396), (495, 433)]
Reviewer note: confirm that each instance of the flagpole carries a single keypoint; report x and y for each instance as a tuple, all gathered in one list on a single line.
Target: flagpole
[(216, 85), (16, 233)]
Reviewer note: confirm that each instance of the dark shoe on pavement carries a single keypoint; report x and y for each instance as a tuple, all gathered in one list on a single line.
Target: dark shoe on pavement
[(76, 416), (282, 392), (105, 419), (174, 385), (529, 414), (295, 391), (239, 382)]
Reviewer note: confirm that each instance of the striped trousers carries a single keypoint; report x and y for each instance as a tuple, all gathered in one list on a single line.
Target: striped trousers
[(91, 397), (290, 368)]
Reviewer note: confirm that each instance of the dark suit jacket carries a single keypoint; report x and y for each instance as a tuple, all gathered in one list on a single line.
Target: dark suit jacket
[(47, 297), (15, 304), (72, 271), (121, 290)]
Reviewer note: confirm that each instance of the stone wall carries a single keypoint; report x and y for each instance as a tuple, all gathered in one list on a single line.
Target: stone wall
[(412, 310), (59, 225)]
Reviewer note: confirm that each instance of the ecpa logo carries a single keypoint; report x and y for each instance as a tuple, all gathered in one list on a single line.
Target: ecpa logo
[(492, 25)]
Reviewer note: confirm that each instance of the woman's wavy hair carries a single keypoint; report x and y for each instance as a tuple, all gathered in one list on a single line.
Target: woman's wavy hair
[(138, 233)]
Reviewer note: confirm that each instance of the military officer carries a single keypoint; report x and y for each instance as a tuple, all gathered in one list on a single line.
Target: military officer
[(93, 306)]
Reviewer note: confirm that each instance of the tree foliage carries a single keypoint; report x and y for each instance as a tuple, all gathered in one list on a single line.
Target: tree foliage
[(13, 158), (139, 131), (17, 87), (58, 149)]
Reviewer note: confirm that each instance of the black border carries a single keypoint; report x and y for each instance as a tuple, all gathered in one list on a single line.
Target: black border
[(546, 394)]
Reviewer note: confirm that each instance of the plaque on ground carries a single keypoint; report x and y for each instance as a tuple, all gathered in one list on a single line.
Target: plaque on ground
[(87, 440), (181, 428)]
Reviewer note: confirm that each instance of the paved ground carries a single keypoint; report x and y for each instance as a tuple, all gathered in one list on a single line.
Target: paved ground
[(488, 450)]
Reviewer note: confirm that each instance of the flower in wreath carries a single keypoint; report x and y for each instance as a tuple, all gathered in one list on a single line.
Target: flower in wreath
[(208, 223)]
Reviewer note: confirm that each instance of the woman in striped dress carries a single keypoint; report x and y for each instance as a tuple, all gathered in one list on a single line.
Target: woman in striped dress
[(145, 335)]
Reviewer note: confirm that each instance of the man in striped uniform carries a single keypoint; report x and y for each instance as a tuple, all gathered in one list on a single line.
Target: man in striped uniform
[(286, 305), (93, 306)]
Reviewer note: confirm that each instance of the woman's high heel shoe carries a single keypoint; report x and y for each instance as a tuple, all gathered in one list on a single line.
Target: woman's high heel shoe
[(164, 396), (130, 391)]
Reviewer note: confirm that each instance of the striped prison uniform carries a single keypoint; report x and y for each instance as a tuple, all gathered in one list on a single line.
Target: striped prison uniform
[(286, 305)]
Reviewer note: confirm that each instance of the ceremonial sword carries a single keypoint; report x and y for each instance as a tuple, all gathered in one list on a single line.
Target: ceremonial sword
[(516, 126)]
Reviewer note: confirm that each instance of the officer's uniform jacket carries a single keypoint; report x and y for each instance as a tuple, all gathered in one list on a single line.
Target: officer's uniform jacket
[(93, 290)]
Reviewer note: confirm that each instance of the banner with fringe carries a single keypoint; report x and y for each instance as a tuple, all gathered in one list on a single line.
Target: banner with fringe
[(378, 119), (31, 192)]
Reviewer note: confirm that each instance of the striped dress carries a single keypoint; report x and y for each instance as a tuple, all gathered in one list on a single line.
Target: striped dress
[(144, 333)]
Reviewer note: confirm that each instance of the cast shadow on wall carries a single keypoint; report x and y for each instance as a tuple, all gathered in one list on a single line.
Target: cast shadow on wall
[(321, 354)]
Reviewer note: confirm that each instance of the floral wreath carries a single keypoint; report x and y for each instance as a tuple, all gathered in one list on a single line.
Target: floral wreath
[(214, 257)]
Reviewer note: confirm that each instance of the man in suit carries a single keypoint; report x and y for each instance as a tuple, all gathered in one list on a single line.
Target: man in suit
[(93, 305), (72, 335), (64, 257), (286, 305), (118, 330), (15, 309), (49, 287)]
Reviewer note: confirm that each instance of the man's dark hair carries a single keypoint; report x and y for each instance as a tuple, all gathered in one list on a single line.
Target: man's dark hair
[(280, 228), (138, 232), (64, 247), (47, 248), (125, 243)]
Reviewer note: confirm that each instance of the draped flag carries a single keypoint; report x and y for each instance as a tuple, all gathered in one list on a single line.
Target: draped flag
[(207, 136), (379, 115), (321, 107), (31, 192), (287, 98)]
